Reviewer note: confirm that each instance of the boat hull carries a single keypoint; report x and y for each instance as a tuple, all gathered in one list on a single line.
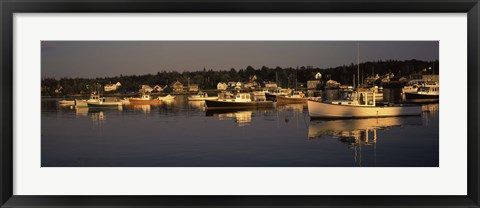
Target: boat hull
[(134, 101), (284, 99), (216, 104), (325, 110), (166, 98), (414, 96), (66, 102), (80, 103), (201, 98), (270, 97), (104, 105)]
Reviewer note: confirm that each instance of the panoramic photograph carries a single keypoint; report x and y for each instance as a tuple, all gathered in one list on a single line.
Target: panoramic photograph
[(240, 103)]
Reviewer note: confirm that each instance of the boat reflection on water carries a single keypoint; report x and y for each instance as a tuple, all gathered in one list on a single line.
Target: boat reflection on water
[(145, 108), (350, 128), (430, 113), (297, 108), (432, 107), (98, 115), (197, 105), (241, 117), (358, 133), (82, 112)]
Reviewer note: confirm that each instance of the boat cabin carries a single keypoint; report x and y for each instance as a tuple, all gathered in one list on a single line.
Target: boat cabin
[(202, 94), (428, 90), (146, 97), (364, 98), (243, 97), (94, 96), (298, 94)]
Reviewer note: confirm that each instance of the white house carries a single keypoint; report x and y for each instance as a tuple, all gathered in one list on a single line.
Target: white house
[(158, 88), (59, 89), (238, 86), (146, 89), (193, 88), (112, 87), (231, 84), (332, 84), (270, 85), (177, 86), (318, 75), (222, 86)]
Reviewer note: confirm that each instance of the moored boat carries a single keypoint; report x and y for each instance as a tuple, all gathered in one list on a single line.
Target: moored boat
[(428, 91), (84, 103), (241, 100), (166, 98), (201, 96), (104, 103), (412, 86), (66, 102), (145, 99), (272, 96), (359, 105), (296, 97), (259, 95)]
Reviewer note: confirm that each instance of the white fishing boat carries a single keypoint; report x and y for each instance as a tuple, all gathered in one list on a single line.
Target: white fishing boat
[(426, 91), (259, 95), (409, 89), (104, 102), (166, 98), (296, 97), (359, 105), (278, 92), (241, 100), (125, 101), (66, 102), (201, 96), (378, 92), (94, 96), (412, 86)]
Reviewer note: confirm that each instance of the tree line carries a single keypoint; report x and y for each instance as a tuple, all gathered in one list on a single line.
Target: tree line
[(208, 79)]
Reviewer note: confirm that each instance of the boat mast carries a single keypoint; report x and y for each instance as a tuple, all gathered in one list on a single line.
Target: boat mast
[(433, 71), (276, 78), (353, 80), (358, 64), (296, 72)]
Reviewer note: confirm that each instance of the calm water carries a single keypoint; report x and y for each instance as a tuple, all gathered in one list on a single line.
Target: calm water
[(184, 134)]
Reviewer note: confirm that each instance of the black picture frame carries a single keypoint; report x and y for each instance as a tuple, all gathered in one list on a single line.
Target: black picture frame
[(9, 7)]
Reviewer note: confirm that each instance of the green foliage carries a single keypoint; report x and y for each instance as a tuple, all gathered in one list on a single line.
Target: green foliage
[(208, 79)]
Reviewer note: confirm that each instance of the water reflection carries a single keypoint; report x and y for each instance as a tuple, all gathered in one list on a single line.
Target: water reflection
[(298, 107), (197, 105), (350, 128), (185, 134), (358, 133), (241, 117), (144, 108)]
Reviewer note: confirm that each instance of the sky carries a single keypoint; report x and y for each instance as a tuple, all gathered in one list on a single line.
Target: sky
[(91, 59)]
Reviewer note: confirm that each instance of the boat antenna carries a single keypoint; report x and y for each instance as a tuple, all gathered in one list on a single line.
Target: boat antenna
[(358, 64), (433, 71), (296, 72), (276, 77), (354, 80)]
